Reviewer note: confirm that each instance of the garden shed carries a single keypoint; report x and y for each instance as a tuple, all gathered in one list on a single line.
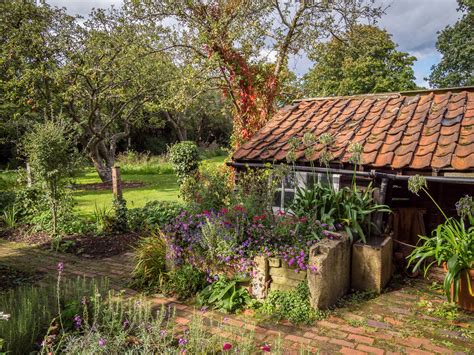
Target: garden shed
[(400, 134)]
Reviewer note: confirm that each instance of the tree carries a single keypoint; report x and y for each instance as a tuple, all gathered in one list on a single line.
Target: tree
[(456, 45), (51, 153), (230, 36), (363, 60), (30, 53), (113, 74)]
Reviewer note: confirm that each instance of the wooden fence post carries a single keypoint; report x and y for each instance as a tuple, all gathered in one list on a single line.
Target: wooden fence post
[(116, 183)]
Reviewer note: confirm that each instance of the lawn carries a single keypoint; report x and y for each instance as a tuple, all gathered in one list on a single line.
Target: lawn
[(159, 186)]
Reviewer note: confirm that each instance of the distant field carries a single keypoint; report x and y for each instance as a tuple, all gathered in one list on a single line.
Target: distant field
[(161, 185)]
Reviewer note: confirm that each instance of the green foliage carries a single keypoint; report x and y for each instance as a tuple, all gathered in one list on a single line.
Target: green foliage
[(135, 163), (153, 215), (10, 217), (455, 43), (351, 207), (293, 305), (217, 240), (32, 308), (7, 199), (184, 158), (185, 281), (207, 190), (452, 243), (225, 295), (363, 60), (150, 262), (101, 217), (53, 158), (120, 222)]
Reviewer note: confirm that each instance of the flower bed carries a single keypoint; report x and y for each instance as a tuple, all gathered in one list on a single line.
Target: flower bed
[(227, 241)]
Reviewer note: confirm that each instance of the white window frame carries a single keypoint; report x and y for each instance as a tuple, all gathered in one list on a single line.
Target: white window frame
[(301, 179)]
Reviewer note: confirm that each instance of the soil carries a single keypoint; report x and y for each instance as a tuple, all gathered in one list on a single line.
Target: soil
[(87, 246), (11, 278), (92, 246), (106, 185)]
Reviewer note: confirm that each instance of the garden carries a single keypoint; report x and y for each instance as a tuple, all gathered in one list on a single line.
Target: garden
[(208, 239)]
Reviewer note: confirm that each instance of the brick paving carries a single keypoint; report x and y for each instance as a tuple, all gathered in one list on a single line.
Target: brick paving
[(396, 322)]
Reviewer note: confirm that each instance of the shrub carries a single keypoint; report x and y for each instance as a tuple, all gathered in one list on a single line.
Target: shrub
[(226, 295), (7, 199), (184, 158), (208, 190), (53, 158), (185, 281), (293, 305), (153, 215), (150, 262), (31, 309)]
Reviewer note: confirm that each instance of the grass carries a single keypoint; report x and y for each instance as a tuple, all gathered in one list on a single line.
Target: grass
[(163, 186)]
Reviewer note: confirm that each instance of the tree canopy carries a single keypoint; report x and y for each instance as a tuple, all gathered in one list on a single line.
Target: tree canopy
[(362, 60), (456, 45)]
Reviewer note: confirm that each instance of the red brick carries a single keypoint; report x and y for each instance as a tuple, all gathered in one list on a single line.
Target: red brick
[(350, 329), (182, 321), (316, 337), (392, 321), (349, 351), (342, 343), (361, 339), (437, 349), (297, 339), (370, 349)]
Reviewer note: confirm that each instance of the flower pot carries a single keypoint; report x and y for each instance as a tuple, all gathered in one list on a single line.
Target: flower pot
[(465, 298)]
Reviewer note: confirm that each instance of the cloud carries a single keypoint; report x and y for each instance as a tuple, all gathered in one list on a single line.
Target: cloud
[(414, 24)]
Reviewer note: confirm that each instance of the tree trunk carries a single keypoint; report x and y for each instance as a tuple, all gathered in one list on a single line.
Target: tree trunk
[(103, 161)]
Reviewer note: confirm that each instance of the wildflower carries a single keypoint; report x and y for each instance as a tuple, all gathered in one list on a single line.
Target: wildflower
[(266, 348), (60, 266), (102, 342), (225, 319), (77, 321), (182, 342), (163, 333), (227, 346), (126, 324)]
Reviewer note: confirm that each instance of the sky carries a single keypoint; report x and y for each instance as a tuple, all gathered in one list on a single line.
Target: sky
[(413, 23)]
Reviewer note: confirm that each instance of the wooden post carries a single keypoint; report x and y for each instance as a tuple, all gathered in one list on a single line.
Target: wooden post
[(116, 183), (29, 179)]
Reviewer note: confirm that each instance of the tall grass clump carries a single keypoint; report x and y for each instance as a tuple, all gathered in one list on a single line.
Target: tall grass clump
[(31, 309), (134, 163)]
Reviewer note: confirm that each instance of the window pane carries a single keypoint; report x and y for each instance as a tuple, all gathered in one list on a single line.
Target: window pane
[(289, 181), (277, 199), (289, 196)]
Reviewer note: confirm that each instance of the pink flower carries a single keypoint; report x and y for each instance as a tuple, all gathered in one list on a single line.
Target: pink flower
[(266, 348), (227, 346)]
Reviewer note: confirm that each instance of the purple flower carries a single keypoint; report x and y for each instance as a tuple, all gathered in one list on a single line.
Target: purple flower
[(60, 266), (126, 324), (102, 342), (77, 321), (163, 333), (182, 342)]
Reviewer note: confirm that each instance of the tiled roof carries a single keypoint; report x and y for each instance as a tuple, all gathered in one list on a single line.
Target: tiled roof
[(420, 130)]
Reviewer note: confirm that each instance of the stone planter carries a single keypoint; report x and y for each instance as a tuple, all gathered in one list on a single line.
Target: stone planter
[(372, 264), (331, 281)]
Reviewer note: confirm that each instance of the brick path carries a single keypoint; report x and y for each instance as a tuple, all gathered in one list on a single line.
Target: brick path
[(396, 322)]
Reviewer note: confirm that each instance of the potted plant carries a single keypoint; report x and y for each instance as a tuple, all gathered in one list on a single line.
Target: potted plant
[(451, 245)]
